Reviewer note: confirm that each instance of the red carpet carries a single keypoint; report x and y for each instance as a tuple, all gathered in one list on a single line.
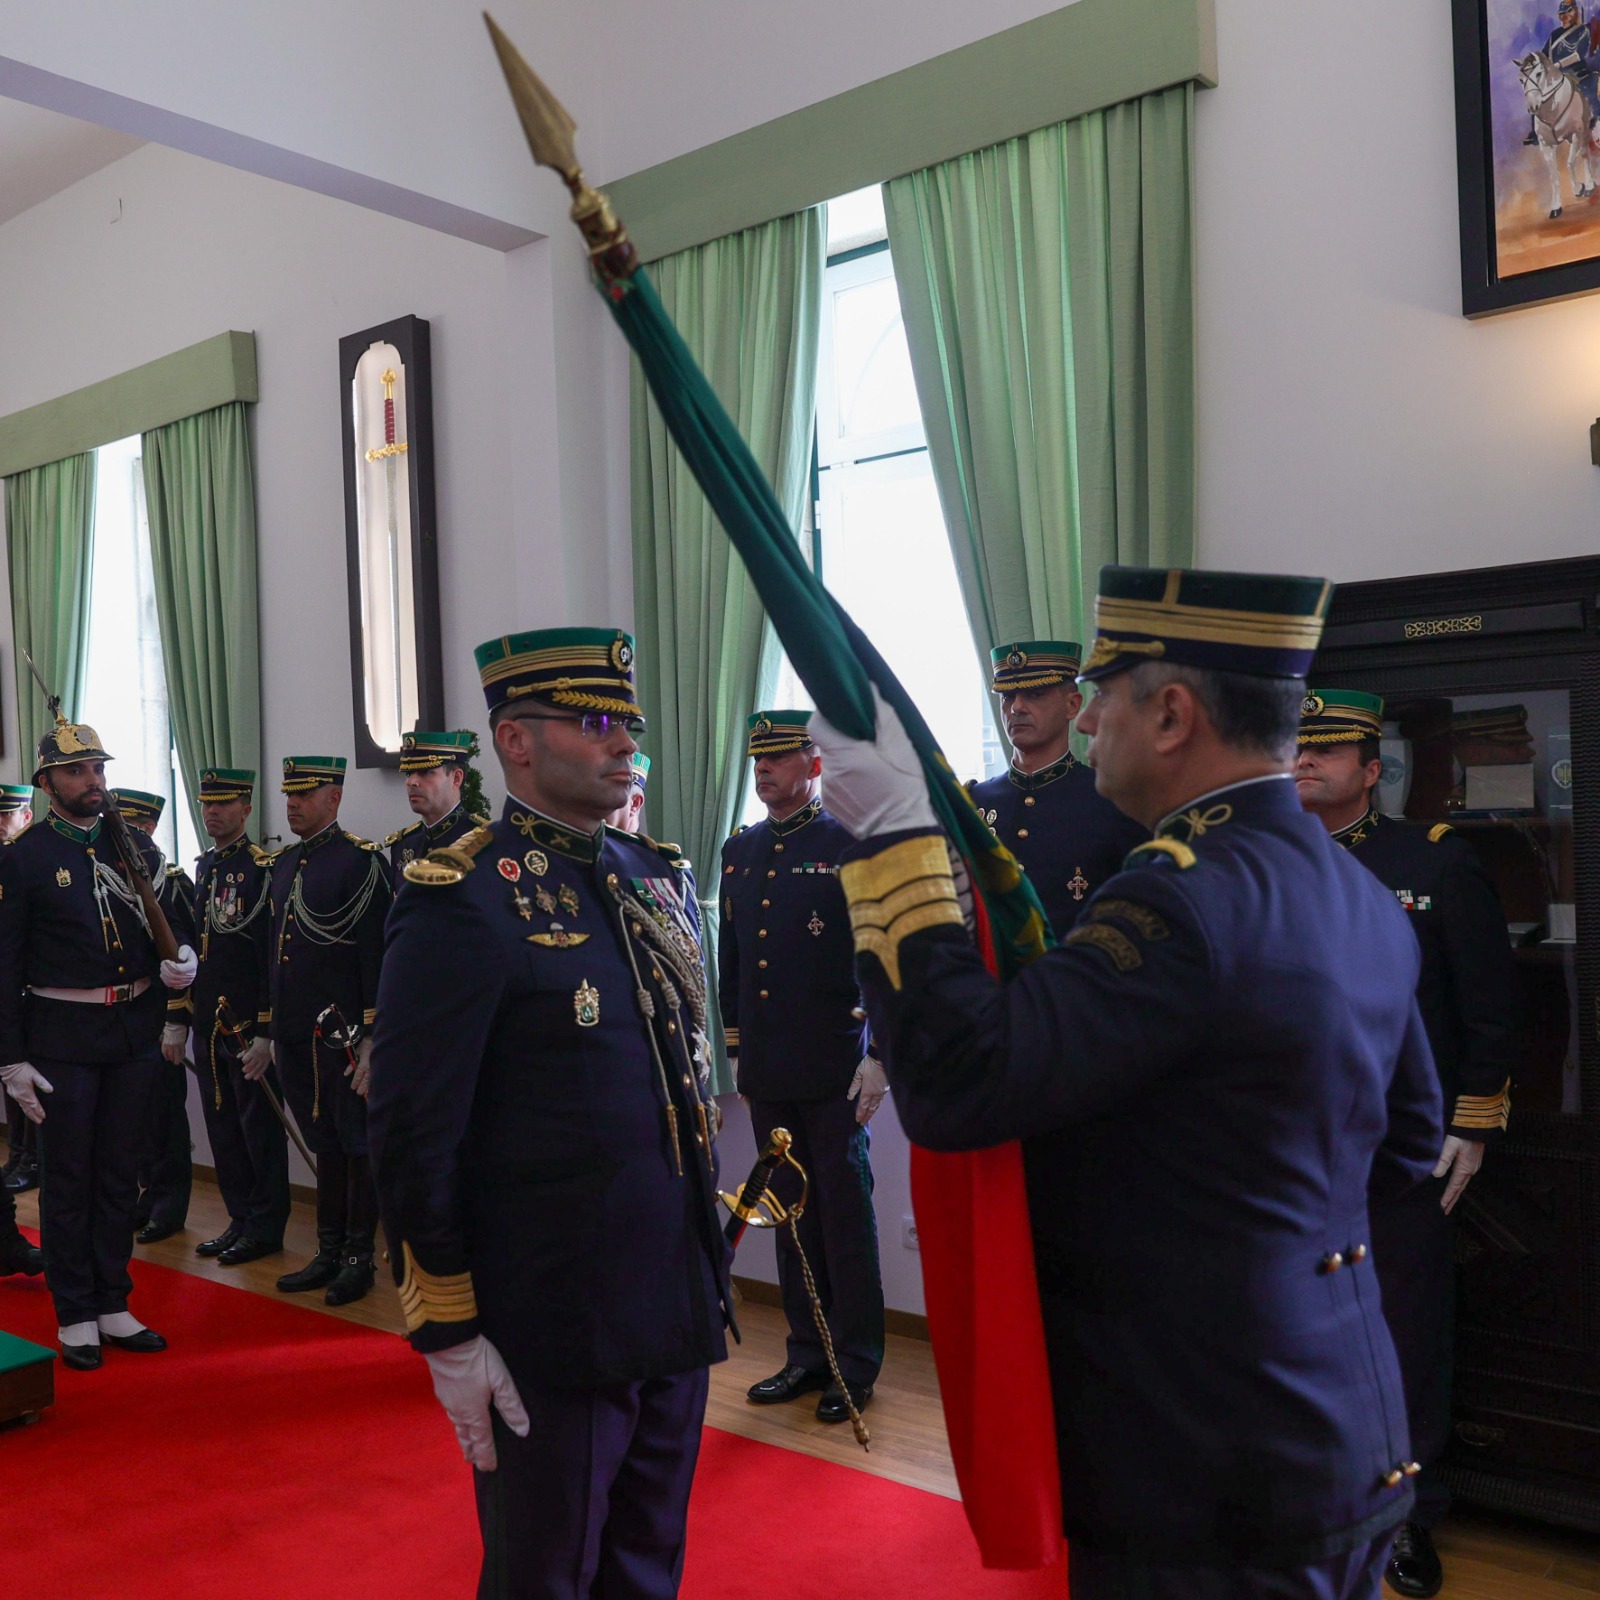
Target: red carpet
[(274, 1452)]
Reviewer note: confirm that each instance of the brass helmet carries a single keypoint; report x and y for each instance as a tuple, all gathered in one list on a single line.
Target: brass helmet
[(68, 742)]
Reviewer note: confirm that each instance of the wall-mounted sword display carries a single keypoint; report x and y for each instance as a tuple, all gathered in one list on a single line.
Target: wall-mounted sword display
[(387, 453)]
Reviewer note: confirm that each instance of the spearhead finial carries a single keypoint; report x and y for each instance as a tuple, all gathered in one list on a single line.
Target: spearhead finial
[(549, 129)]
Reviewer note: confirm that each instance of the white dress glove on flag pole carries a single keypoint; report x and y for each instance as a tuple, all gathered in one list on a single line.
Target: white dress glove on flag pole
[(22, 1079), (179, 974), (868, 1088), (467, 1379), (873, 786)]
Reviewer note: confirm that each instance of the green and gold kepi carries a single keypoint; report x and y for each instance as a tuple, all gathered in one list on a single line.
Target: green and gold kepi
[(571, 669), (422, 752), (1254, 623), (301, 774), (14, 797), (1033, 664), (775, 733), (1340, 716), (226, 783), (139, 806), (66, 743), (641, 769)]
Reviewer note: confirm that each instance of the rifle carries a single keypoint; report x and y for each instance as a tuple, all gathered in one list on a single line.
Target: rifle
[(138, 868)]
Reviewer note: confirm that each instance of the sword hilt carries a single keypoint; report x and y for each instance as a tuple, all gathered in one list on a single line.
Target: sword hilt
[(755, 1206)]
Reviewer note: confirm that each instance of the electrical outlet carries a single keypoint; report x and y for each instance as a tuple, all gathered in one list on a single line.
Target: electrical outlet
[(908, 1233)]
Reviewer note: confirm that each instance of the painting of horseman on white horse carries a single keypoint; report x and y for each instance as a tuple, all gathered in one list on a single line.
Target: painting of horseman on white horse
[(1560, 116)]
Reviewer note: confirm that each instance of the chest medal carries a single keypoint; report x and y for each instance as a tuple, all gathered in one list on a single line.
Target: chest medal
[(586, 1005)]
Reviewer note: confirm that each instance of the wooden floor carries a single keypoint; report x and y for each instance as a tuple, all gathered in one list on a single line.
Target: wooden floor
[(1486, 1557)]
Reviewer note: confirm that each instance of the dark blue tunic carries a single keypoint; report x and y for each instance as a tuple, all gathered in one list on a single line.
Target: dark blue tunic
[(415, 840)]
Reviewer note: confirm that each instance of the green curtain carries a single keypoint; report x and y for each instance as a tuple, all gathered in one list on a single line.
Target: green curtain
[(200, 501), (748, 307), (1046, 285), (50, 534)]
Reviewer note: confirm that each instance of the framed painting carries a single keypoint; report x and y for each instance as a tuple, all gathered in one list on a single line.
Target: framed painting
[(1527, 150)]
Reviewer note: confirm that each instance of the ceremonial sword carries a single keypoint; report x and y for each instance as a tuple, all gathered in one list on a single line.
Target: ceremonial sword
[(232, 1029), (387, 453)]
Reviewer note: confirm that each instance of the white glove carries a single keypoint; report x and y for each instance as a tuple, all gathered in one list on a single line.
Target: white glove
[(466, 1378), (1460, 1158), (871, 1085), (179, 974), (256, 1059), (174, 1042), (359, 1072), (21, 1079), (876, 785)]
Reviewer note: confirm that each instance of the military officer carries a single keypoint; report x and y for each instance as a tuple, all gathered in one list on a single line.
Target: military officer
[(1468, 994), (82, 1003), (1044, 808), (543, 1141), (21, 1171), (436, 767), (231, 1049), (330, 894), (1203, 1074), (798, 1044), (166, 1173), (629, 816)]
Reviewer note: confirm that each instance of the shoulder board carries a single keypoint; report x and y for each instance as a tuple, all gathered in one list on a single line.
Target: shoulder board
[(738, 828), (263, 858), (673, 853), (451, 863), (174, 870), (1147, 855), (19, 833), (359, 842), (1438, 831), (479, 822)]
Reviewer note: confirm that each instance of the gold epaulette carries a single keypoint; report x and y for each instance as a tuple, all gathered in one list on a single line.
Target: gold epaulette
[(263, 858), (20, 831), (1438, 831), (400, 833), (480, 822), (359, 842), (672, 853), (452, 862), (174, 870), (1158, 848)]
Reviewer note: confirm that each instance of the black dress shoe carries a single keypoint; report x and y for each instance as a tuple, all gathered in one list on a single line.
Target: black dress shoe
[(23, 1178), (145, 1342), (832, 1408), (245, 1249), (18, 1256), (154, 1232), (82, 1357), (1414, 1567), (789, 1384), (317, 1273), (356, 1277), (215, 1247)]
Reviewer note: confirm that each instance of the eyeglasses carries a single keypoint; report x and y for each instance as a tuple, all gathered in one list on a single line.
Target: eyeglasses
[(592, 724)]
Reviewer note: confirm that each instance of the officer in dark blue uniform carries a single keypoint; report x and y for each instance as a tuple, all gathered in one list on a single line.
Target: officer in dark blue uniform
[(82, 1002), (1044, 808), (166, 1173), (436, 767), (1470, 1001), (629, 816), (1204, 1075), (21, 1171), (231, 1050), (330, 895), (797, 1041), (543, 1141)]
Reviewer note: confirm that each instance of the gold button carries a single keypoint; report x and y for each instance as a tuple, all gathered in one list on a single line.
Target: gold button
[(672, 1027), (771, 874), (1359, 1253), (1022, 833), (1390, 1479), (1332, 1263), (1411, 1468), (761, 933), (688, 1082), (762, 962), (778, 848), (655, 972), (700, 1140), (763, 994), (858, 1013), (1028, 801), (765, 904)]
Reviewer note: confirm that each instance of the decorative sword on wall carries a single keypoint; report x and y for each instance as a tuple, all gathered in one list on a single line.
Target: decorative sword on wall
[(388, 453)]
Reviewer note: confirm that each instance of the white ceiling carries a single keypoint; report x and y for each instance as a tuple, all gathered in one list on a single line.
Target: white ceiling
[(42, 153)]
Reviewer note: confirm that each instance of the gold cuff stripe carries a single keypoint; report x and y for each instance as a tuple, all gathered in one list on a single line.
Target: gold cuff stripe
[(891, 869), (1483, 1110), (885, 943), (433, 1297)]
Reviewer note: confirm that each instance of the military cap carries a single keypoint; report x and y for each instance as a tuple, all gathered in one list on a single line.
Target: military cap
[(775, 733), (1255, 623), (641, 769), (422, 752), (570, 669), (1033, 664), (1340, 716), (304, 773), (15, 796), (68, 742), (227, 783), (139, 806)]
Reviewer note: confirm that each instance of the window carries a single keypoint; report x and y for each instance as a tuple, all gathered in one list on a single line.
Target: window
[(877, 537), (125, 684)]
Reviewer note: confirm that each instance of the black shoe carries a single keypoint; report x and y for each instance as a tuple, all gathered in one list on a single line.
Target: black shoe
[(244, 1249), (317, 1273), (154, 1232), (832, 1408), (23, 1177), (356, 1278), (215, 1247), (1414, 1567), (145, 1342), (18, 1256), (82, 1357), (789, 1384)]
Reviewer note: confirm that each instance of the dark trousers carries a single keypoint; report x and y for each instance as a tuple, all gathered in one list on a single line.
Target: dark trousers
[(1096, 1574), (166, 1173), (1413, 1248), (249, 1148), (89, 1151), (592, 1504), (22, 1138), (347, 1204), (331, 1116), (838, 1231)]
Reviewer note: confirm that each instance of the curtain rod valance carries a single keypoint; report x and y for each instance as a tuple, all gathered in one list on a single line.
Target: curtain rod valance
[(200, 378), (1065, 64)]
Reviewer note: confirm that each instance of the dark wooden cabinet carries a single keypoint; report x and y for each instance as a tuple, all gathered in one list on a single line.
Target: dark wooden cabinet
[(1491, 681)]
